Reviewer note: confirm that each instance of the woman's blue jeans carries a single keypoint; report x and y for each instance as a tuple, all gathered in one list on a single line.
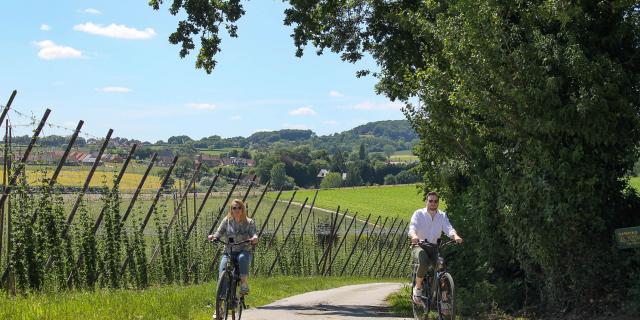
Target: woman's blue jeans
[(244, 260)]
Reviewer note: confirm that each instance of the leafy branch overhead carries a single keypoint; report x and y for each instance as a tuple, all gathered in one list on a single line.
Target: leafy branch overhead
[(204, 19)]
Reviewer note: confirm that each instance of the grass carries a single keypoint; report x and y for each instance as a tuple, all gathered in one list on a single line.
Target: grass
[(403, 156), (168, 302), (386, 201), (217, 152)]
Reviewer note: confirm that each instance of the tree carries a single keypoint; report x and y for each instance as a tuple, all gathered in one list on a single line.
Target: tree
[(354, 175), (331, 180), (337, 162), (362, 154), (529, 120), (179, 139), (389, 179), (279, 177), (389, 150)]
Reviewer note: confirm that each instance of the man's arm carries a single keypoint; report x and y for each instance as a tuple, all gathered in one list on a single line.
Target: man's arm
[(412, 228), (450, 231)]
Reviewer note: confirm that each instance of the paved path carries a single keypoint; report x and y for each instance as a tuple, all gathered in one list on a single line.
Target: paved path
[(363, 301)]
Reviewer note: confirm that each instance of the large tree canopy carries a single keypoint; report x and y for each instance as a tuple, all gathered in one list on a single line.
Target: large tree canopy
[(528, 114)]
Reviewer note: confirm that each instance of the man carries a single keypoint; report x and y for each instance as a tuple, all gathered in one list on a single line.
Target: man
[(428, 224)]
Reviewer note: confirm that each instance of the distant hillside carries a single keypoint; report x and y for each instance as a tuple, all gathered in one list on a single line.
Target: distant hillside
[(391, 129), (397, 134)]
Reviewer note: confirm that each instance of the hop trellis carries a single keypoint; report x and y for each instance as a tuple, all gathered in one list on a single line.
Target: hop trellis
[(112, 242)]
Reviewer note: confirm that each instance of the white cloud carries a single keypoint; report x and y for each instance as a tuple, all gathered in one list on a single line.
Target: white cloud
[(304, 111), (202, 106), (376, 106), (114, 89), (50, 51), (330, 122), (335, 94), (45, 27), (115, 31), (294, 126), (91, 11), (236, 118)]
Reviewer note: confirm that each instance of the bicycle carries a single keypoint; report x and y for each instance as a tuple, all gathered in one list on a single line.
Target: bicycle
[(443, 292), (229, 279)]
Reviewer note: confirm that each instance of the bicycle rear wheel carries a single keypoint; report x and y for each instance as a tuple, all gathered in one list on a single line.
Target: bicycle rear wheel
[(446, 297), (222, 297)]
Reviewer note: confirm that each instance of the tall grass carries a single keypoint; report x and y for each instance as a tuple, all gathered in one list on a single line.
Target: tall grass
[(167, 302)]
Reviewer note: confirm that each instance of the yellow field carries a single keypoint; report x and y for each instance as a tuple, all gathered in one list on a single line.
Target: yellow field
[(77, 178)]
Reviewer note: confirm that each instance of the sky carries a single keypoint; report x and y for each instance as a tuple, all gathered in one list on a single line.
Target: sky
[(110, 64)]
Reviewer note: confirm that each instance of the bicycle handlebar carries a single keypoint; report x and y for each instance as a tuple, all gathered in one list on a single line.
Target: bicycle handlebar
[(440, 243), (231, 244)]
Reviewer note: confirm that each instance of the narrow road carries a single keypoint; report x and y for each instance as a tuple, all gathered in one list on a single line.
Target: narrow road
[(363, 301)]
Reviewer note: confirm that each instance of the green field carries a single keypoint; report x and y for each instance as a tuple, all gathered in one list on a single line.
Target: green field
[(386, 201), (217, 152), (169, 302), (404, 156)]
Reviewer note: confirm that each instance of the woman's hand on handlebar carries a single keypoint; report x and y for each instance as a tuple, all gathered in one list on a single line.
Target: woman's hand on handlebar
[(254, 240), (212, 238)]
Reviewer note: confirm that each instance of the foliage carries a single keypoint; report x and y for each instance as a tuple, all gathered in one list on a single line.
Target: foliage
[(508, 96), (112, 238), (331, 180), (279, 178)]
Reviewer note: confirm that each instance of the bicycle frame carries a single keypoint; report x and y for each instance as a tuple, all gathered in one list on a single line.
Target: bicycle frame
[(431, 283), (230, 274)]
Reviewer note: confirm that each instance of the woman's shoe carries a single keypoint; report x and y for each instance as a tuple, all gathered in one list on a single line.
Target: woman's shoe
[(244, 289)]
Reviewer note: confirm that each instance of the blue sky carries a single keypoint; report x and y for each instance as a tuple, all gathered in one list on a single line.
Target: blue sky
[(110, 64)]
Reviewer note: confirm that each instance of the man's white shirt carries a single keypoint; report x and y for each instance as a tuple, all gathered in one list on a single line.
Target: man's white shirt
[(430, 229)]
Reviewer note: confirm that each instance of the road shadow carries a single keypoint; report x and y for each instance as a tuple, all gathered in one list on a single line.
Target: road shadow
[(359, 311)]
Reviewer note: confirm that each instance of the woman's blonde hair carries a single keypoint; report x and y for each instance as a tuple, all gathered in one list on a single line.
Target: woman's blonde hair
[(243, 209)]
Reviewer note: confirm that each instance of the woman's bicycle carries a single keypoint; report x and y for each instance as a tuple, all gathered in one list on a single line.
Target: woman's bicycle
[(439, 294), (228, 297)]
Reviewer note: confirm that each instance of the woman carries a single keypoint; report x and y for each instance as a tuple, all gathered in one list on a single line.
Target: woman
[(238, 226)]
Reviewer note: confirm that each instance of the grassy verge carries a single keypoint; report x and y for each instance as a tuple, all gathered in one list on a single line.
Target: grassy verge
[(168, 302)]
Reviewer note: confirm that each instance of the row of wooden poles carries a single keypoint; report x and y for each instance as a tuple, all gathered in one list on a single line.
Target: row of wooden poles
[(324, 266)]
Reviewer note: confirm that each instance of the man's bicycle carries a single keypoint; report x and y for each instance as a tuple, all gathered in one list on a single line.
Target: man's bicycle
[(228, 297), (439, 294)]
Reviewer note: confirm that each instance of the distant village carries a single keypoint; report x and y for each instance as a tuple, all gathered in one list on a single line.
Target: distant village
[(164, 158)]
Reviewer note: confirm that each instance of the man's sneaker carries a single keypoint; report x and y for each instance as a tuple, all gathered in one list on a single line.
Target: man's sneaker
[(244, 289), (417, 293)]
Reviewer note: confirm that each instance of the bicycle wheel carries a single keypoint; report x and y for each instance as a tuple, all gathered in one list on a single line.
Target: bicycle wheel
[(446, 297), (222, 297), (238, 302), (239, 308), (421, 309)]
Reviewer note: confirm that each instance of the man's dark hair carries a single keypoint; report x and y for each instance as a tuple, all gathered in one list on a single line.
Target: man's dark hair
[(433, 193)]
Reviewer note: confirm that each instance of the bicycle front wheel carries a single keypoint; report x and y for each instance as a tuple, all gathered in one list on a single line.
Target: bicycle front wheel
[(222, 297), (445, 297), (421, 306), (236, 311)]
